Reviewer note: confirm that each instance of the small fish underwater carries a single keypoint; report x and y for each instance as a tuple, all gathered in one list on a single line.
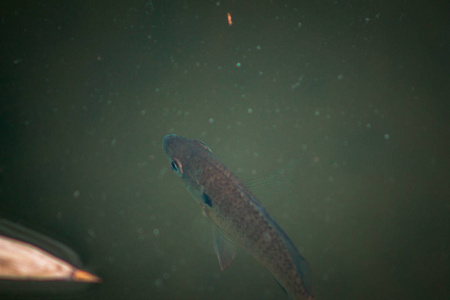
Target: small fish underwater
[(237, 217), (23, 260), (33, 265)]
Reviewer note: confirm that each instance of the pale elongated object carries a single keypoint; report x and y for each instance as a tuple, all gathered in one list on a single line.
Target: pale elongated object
[(23, 261)]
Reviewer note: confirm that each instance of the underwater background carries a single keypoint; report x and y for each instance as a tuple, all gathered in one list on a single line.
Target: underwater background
[(335, 113)]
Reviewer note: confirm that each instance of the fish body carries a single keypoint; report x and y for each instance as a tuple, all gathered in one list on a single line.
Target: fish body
[(237, 216)]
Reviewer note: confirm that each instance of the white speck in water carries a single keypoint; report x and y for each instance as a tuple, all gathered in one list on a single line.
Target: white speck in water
[(91, 233), (76, 194), (158, 282)]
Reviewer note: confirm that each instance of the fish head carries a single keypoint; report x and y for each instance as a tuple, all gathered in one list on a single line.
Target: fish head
[(188, 158)]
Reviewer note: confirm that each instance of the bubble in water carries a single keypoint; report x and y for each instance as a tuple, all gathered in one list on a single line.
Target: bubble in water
[(158, 282)]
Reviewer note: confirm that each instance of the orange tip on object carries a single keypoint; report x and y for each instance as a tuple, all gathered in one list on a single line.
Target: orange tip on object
[(83, 276), (230, 22)]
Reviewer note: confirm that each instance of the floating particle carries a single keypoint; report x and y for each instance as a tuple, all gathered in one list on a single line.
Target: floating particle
[(230, 21)]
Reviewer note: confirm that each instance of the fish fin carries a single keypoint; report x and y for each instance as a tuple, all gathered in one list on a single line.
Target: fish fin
[(282, 287), (225, 250)]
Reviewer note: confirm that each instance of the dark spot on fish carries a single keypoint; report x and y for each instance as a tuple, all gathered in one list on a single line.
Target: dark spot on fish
[(206, 200)]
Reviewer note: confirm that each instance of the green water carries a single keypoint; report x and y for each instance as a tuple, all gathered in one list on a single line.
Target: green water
[(343, 104)]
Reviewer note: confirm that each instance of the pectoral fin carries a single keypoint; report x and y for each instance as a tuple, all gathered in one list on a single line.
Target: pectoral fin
[(225, 250)]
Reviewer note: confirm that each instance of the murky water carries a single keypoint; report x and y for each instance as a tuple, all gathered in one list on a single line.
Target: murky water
[(342, 106)]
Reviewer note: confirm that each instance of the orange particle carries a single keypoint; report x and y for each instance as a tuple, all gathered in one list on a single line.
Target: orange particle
[(230, 22)]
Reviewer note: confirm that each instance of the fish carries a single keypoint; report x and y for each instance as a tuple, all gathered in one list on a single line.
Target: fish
[(237, 217), (24, 261)]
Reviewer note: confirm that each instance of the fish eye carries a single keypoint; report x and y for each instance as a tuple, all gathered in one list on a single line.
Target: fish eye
[(177, 167)]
